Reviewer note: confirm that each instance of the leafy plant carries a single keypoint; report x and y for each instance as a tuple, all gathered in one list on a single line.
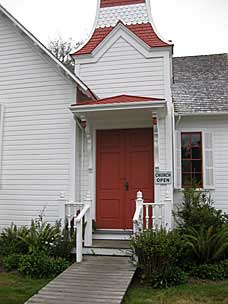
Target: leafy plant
[(63, 245), (40, 236), (39, 265), (11, 262), (11, 240), (206, 244), (197, 211), (158, 254), (214, 272)]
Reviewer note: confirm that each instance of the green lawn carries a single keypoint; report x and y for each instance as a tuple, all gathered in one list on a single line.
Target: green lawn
[(15, 289), (194, 293)]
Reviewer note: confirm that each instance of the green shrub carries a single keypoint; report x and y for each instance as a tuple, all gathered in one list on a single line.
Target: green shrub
[(39, 265), (171, 276), (212, 272), (41, 236), (63, 245), (197, 211), (158, 255), (207, 244), (11, 242), (11, 262), (51, 239)]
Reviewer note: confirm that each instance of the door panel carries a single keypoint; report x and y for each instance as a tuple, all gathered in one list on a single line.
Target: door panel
[(124, 166), (139, 169), (109, 207)]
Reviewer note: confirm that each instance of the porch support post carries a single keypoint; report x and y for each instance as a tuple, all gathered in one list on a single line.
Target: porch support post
[(88, 200), (90, 157), (88, 220), (156, 154)]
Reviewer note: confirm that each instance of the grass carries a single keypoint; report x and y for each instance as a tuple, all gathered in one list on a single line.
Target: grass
[(192, 293), (15, 289)]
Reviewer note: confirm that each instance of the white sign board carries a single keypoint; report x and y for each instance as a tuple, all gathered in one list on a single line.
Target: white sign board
[(163, 178)]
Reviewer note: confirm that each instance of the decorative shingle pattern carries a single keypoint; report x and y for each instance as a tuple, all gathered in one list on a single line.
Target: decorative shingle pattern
[(144, 31), (128, 14), (200, 84), (107, 3)]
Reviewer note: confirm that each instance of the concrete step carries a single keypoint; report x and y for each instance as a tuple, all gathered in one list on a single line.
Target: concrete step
[(109, 248), (112, 234)]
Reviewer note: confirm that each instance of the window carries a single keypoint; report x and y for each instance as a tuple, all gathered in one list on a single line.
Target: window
[(191, 159)]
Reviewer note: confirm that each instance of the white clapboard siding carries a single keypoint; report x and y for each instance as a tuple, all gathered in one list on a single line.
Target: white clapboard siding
[(123, 70), (36, 149), (218, 128)]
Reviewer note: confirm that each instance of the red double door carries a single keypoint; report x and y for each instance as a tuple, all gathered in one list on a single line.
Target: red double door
[(124, 166)]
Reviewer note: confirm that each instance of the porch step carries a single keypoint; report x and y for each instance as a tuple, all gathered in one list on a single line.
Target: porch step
[(95, 280), (108, 248), (112, 234)]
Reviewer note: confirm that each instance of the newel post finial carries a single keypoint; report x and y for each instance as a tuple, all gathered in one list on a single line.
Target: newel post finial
[(139, 199)]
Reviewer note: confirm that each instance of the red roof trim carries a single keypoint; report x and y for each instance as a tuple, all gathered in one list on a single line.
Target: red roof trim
[(108, 3), (119, 99), (144, 31)]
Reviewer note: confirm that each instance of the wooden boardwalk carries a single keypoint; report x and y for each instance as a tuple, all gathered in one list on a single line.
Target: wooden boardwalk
[(98, 279)]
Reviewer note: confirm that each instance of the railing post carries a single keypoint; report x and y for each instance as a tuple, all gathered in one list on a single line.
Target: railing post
[(139, 204), (88, 220), (168, 212), (79, 241)]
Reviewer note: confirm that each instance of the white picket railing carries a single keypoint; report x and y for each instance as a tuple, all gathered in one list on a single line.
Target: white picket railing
[(79, 216), (151, 215)]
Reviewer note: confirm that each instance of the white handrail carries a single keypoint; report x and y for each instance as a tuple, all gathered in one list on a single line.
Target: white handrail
[(80, 213), (137, 213), (151, 215)]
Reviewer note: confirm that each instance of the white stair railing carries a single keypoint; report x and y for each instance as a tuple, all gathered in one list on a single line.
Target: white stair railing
[(151, 215), (79, 215)]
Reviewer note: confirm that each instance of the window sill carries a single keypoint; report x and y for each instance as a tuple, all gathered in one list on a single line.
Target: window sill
[(198, 189)]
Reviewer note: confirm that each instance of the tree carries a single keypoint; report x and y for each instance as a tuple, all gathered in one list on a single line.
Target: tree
[(62, 49)]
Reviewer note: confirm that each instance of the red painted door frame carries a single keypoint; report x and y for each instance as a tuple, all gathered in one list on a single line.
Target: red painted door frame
[(124, 166)]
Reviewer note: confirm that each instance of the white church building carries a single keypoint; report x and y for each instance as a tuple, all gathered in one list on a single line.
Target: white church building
[(132, 119)]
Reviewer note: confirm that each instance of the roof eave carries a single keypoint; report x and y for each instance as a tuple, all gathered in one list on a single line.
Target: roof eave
[(118, 106), (213, 113)]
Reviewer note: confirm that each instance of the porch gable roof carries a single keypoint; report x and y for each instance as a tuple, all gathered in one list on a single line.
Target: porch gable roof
[(121, 102), (118, 99)]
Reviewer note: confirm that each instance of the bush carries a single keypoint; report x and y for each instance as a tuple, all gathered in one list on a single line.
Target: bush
[(158, 255), (207, 245), (11, 262), (39, 265), (11, 242), (64, 244), (172, 276), (197, 211), (40, 236), (214, 272)]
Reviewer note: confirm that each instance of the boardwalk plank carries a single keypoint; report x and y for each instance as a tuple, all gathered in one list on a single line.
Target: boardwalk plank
[(98, 279)]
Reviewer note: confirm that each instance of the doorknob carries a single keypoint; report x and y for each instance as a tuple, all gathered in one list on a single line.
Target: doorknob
[(126, 185)]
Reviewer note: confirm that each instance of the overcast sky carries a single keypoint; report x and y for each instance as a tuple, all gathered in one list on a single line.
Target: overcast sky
[(195, 26)]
